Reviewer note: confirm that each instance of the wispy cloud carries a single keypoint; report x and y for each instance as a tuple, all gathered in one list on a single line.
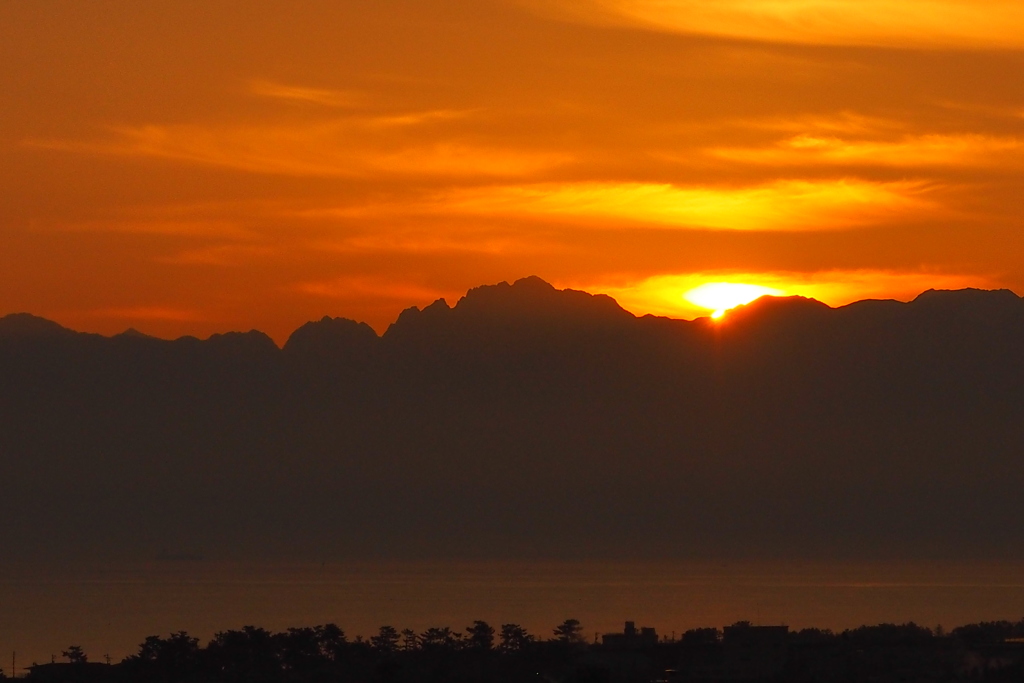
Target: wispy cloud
[(342, 148), (432, 243), (909, 151), (417, 118), (350, 99), (839, 123), (780, 205), (198, 226), (976, 24), (299, 94)]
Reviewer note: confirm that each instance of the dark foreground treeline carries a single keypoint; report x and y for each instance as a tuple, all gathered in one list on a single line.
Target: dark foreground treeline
[(992, 651)]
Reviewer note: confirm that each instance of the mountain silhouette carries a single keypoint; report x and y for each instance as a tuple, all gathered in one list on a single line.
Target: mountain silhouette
[(26, 325), (527, 421)]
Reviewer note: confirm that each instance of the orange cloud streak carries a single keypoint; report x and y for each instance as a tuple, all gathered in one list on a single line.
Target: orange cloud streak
[(781, 205), (978, 24), (294, 93), (911, 151), (343, 148)]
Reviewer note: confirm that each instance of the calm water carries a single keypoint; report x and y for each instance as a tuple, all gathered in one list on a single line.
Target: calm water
[(109, 610)]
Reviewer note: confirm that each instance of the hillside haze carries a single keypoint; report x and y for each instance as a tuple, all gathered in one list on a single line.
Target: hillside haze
[(527, 421)]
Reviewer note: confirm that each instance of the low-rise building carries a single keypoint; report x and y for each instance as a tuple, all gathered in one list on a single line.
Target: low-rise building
[(630, 638)]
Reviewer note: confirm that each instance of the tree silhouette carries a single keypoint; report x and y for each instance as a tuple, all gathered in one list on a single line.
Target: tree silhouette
[(176, 655), (331, 640), (440, 638), (299, 649), (569, 631), (410, 641), (481, 635), (247, 655), (321, 655), (514, 638), (386, 640)]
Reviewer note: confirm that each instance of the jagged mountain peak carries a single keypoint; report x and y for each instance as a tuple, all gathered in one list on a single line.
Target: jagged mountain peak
[(527, 301), (526, 407), (133, 333), (533, 296)]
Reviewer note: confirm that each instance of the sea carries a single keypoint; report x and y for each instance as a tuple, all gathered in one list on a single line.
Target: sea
[(109, 609)]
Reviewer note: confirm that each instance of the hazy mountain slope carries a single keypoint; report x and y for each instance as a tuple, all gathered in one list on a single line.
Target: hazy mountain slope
[(527, 420)]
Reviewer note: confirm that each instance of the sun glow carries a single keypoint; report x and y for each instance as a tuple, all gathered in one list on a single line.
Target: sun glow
[(719, 297), (911, 23)]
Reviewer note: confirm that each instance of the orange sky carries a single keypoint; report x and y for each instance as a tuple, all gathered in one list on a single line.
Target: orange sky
[(194, 167)]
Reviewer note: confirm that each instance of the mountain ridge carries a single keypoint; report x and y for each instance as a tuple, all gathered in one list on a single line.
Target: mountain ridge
[(527, 421), (533, 297)]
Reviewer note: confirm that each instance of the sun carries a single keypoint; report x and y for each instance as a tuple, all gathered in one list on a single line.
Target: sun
[(719, 297)]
